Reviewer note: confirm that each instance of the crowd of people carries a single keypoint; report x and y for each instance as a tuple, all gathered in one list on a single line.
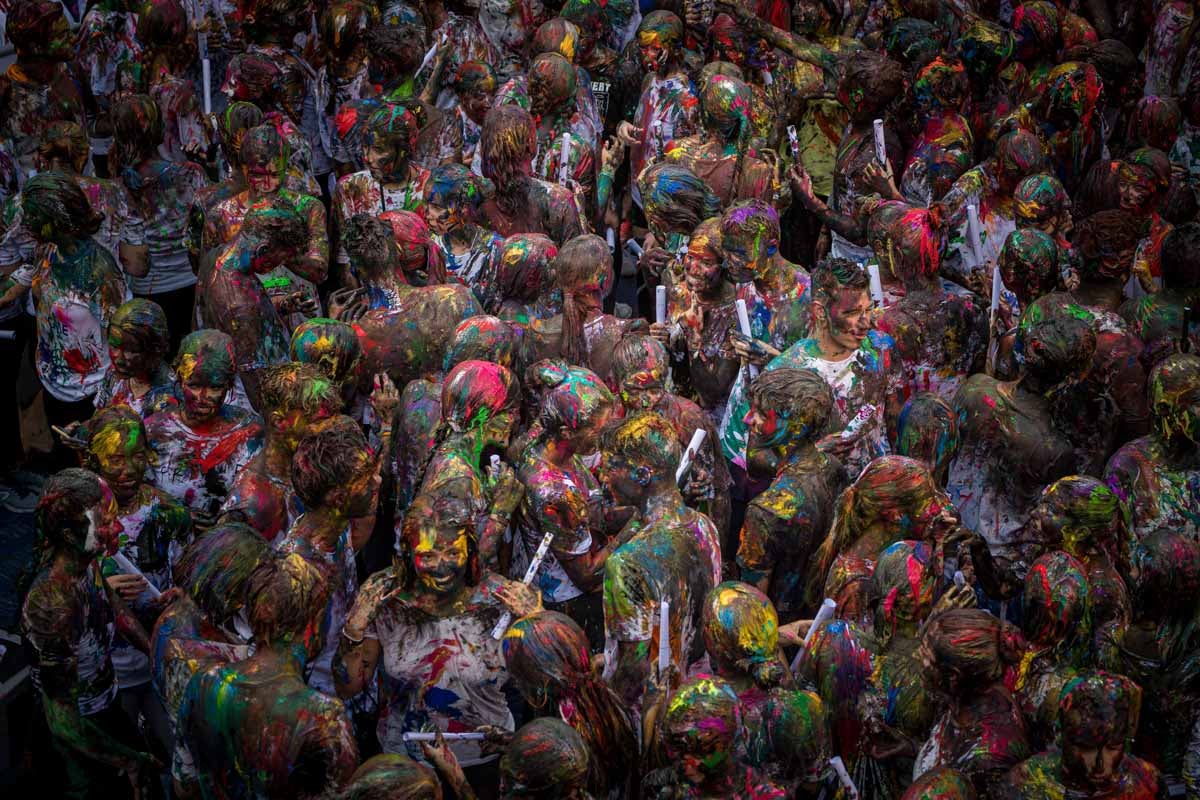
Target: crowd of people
[(606, 399)]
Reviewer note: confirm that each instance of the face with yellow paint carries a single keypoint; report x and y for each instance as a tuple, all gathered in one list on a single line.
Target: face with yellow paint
[(440, 556), (120, 456)]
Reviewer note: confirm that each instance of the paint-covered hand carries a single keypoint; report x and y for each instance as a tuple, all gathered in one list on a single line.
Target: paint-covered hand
[(612, 155), (628, 133), (751, 350), (662, 332), (348, 305), (802, 185), (956, 597), (370, 598), (296, 303), (793, 633), (518, 598), (507, 490), (654, 261), (496, 740), (837, 445), (878, 178), (385, 398), (127, 587), (698, 487), (442, 757)]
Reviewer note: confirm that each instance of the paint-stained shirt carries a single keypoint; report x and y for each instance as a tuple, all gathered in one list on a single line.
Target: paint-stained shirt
[(198, 467), (445, 673), (1153, 492), (556, 501), (361, 193), (114, 391), (70, 627)]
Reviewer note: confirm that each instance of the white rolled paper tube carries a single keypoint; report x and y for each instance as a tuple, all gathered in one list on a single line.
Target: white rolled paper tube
[(689, 454), (880, 144), (876, 284), (430, 736), (744, 324), (8, 334), (206, 78), (959, 578), (611, 236), (997, 286), (129, 568), (793, 141), (634, 247), (534, 564), (660, 304), (664, 636), (495, 465), (824, 614), (844, 776), (564, 159), (973, 234), (768, 78)]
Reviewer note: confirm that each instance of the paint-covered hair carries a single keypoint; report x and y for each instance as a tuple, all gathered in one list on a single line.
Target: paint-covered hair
[(65, 141), (547, 655), (1097, 707), (928, 431), (1019, 153), (330, 344), (283, 17), (31, 26), (1056, 343), (262, 144), (915, 244), (903, 588), (793, 739), (941, 85), (1101, 238), (879, 79), (1173, 386), (345, 26), (61, 516), (1166, 586), (660, 27), (455, 186), (676, 200), (833, 275), (162, 25), (112, 429), (328, 459), (209, 350), (144, 323), (392, 776), (704, 704), (56, 197), (473, 77), (643, 357), (481, 338), (1039, 199), (394, 127), (232, 125), (741, 633), (371, 246), (559, 36), (985, 48), (546, 758), (418, 253), (800, 394), (506, 147), (286, 598), (1154, 123), (1057, 607), (137, 128), (1029, 264), (941, 783), (725, 107), (556, 78), (215, 568), (299, 387), (573, 404), (527, 267), (975, 643), (256, 79), (645, 438), (475, 391), (1089, 516), (583, 267)]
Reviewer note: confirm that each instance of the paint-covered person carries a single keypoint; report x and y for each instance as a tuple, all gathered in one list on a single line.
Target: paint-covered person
[(426, 628), (562, 497), (1157, 319), (164, 33), (1098, 717), (138, 345), (561, 129), (522, 203), (675, 200), (701, 312), (155, 528), (640, 372), (526, 286), (390, 182), (702, 731), (201, 443), (69, 618), (548, 659), (1155, 476), (928, 431), (77, 288), (964, 654), (272, 234), (231, 127), (1105, 244), (453, 197), (298, 400), (474, 84), (163, 193), (546, 759), (253, 728), (662, 565), (789, 411)]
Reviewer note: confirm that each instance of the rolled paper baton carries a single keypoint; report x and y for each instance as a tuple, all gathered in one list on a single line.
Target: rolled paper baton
[(844, 777), (880, 144), (744, 323), (611, 236), (876, 284), (205, 71), (793, 142), (430, 736), (664, 636), (564, 159), (997, 287), (689, 455), (973, 234), (634, 247), (660, 304), (129, 568), (959, 579), (824, 614), (534, 563), (495, 465)]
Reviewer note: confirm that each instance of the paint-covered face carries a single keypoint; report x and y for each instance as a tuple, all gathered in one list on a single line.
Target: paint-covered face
[(263, 178), (443, 219), (643, 389), (702, 270), (476, 105), (744, 260), (1093, 764), (809, 16), (583, 439), (626, 480), (121, 459), (849, 317), (128, 358), (766, 428), (700, 730), (104, 525), (1135, 190), (653, 54), (383, 162), (440, 557), (202, 396)]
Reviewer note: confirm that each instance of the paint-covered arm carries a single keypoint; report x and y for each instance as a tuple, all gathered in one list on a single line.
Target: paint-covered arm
[(802, 49), (127, 624), (754, 556)]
